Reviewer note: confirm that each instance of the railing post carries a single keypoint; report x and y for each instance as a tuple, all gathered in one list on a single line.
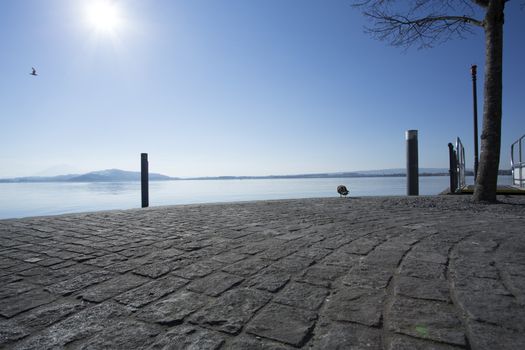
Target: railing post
[(144, 185), (453, 167), (412, 163)]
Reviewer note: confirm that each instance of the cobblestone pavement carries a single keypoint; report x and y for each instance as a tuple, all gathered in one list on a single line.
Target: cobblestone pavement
[(356, 273)]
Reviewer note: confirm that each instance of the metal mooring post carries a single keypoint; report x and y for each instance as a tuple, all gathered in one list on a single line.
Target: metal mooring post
[(412, 163), (144, 179), (453, 171), (473, 71)]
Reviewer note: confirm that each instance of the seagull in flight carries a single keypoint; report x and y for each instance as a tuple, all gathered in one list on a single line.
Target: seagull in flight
[(33, 72)]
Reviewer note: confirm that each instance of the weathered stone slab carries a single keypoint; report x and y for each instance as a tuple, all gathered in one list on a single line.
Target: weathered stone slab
[(246, 267), (487, 336), (492, 308), (422, 269), (124, 335), (79, 282), (400, 342), (153, 270), (36, 319), (271, 280), (359, 305), (368, 276), (347, 336), (231, 311), (81, 325), (302, 295), (314, 253), (112, 287), (151, 291), (230, 257), (293, 263), (427, 320), (321, 275), (197, 270), (25, 301), (436, 289), (15, 288), (215, 284), (173, 309), (245, 342), (188, 337), (361, 246), (340, 258), (283, 323)]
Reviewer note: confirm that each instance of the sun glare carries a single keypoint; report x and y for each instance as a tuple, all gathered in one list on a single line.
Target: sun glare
[(103, 15)]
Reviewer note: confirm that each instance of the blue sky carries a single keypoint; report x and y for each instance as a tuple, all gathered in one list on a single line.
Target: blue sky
[(234, 87)]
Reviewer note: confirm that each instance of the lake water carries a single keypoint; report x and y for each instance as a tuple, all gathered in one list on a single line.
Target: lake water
[(34, 199)]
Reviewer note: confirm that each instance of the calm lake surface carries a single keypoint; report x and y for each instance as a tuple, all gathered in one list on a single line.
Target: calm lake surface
[(35, 199)]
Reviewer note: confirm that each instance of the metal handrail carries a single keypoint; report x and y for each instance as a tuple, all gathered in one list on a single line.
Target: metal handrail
[(460, 152), (518, 168)]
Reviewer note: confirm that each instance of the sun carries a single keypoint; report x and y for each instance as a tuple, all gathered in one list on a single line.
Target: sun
[(103, 16)]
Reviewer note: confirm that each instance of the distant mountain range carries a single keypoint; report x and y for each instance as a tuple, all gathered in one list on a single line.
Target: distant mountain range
[(116, 175), (110, 175)]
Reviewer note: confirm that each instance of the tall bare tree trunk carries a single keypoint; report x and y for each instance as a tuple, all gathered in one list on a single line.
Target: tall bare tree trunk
[(487, 179)]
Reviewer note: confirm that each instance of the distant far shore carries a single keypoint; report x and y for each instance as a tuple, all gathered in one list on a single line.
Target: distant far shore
[(116, 175)]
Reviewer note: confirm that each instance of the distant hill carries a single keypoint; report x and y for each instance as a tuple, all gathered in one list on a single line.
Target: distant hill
[(116, 175), (110, 175)]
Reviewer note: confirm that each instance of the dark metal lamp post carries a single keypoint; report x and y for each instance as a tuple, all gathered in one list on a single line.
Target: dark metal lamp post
[(473, 71)]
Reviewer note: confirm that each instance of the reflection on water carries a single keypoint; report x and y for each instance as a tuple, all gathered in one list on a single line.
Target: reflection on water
[(112, 188), (31, 199)]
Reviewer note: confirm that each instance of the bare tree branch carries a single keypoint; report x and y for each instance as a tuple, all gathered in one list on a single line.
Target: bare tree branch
[(420, 22)]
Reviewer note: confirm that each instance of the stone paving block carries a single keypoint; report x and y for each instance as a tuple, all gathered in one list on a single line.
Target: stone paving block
[(188, 337), (112, 287), (340, 258), (12, 289), (368, 276), (36, 319), (483, 336), (230, 257), (314, 253), (302, 295), (400, 342), (198, 270), (422, 269), (153, 270), (361, 246), (246, 267), (293, 263), (80, 282), (283, 323), (173, 309), (347, 336), (493, 308), (272, 280), (123, 334), (151, 291), (231, 311), (104, 260), (360, 305), (427, 320), (19, 303), (422, 288), (245, 342), (215, 284), (321, 275)]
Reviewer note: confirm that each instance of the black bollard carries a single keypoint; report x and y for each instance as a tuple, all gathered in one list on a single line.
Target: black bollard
[(144, 179), (412, 163), (453, 171), (475, 100)]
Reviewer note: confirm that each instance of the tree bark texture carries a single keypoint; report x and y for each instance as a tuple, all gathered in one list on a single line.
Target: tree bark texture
[(486, 183)]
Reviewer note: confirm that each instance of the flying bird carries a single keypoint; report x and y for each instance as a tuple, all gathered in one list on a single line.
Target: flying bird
[(342, 190), (33, 72)]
